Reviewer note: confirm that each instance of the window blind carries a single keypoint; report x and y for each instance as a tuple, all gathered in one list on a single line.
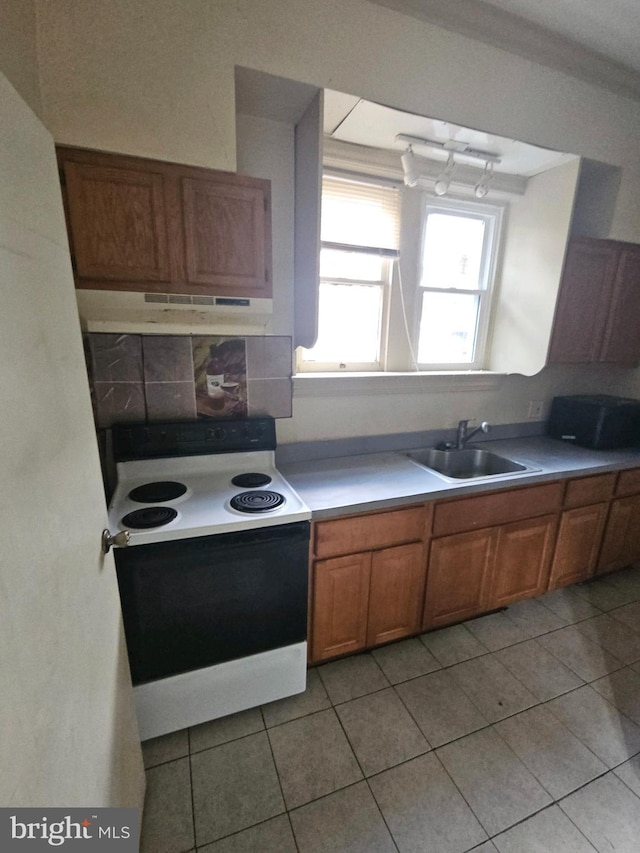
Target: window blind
[(360, 216)]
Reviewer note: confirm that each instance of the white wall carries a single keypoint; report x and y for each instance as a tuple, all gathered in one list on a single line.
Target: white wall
[(266, 150), (438, 402), (529, 275), (69, 735), (156, 78), (68, 730)]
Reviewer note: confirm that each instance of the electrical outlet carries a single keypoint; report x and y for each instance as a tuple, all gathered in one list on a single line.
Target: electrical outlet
[(536, 410)]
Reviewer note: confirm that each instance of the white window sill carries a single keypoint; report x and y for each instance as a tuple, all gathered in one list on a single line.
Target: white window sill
[(333, 384)]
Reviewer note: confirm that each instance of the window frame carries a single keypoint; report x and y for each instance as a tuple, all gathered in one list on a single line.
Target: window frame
[(493, 216)]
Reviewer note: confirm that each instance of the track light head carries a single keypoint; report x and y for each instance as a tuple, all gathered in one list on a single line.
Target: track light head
[(410, 168), (443, 181), (482, 187)]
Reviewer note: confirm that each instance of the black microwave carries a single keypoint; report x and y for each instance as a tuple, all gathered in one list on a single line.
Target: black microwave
[(598, 421)]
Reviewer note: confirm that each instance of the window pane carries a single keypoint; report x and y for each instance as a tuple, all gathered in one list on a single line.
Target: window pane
[(336, 264), (452, 251), (447, 328), (348, 323)]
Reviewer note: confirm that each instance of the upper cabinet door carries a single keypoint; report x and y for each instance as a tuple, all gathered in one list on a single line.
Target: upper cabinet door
[(226, 236), (117, 222), (583, 301), (621, 341)]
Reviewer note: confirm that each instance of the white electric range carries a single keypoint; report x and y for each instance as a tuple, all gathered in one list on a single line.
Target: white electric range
[(213, 580)]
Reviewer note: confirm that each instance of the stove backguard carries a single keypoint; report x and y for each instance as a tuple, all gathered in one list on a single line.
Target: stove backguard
[(192, 438)]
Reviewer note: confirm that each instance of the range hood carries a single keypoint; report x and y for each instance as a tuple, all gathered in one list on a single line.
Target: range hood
[(176, 314)]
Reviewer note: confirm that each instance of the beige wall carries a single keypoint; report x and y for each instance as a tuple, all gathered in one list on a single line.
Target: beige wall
[(156, 78)]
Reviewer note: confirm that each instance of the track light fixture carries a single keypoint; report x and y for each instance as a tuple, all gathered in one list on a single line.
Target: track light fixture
[(452, 147), (443, 181), (442, 184), (482, 187), (410, 168)]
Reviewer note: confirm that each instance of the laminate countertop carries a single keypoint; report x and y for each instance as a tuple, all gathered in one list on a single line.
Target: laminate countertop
[(374, 481)]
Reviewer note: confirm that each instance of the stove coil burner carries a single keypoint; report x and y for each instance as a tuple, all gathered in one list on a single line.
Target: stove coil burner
[(158, 492), (150, 516), (251, 480), (256, 501)]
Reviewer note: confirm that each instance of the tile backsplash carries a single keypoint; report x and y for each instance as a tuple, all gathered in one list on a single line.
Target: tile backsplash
[(183, 377)]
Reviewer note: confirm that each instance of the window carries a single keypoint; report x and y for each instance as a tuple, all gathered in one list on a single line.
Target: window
[(360, 235), (457, 262), (442, 298)]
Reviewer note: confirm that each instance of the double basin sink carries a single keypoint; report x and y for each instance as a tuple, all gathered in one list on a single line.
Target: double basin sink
[(467, 463)]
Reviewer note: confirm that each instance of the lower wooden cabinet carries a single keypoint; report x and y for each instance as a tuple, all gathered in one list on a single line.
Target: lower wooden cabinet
[(458, 577), (487, 553), (621, 544), (372, 596), (396, 593), (522, 560), (471, 573), (578, 544), (340, 605)]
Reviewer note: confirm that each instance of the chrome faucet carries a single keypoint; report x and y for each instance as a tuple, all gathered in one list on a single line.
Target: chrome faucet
[(463, 436)]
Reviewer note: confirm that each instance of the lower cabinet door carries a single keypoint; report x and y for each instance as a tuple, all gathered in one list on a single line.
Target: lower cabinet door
[(341, 602), (523, 557), (396, 595), (578, 544), (621, 545), (458, 577)]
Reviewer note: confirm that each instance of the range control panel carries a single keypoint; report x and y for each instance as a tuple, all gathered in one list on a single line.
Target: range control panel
[(192, 438)]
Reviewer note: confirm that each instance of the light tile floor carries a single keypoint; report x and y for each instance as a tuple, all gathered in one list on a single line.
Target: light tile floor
[(518, 732)]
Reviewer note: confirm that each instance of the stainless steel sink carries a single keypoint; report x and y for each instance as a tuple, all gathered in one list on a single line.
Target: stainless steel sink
[(467, 464)]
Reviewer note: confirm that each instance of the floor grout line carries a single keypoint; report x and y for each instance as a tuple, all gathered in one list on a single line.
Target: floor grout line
[(193, 801)]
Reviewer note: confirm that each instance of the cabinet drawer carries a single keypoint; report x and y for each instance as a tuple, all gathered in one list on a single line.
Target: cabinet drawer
[(497, 508), (589, 490), (629, 482), (371, 532)]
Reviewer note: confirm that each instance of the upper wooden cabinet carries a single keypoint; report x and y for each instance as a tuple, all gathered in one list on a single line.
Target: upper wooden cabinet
[(598, 309), (146, 225), (118, 224)]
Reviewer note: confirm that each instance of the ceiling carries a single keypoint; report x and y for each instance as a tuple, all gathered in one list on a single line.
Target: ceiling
[(351, 119), (611, 28), (593, 40)]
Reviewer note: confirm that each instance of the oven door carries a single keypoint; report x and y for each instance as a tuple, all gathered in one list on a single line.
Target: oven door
[(192, 603)]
